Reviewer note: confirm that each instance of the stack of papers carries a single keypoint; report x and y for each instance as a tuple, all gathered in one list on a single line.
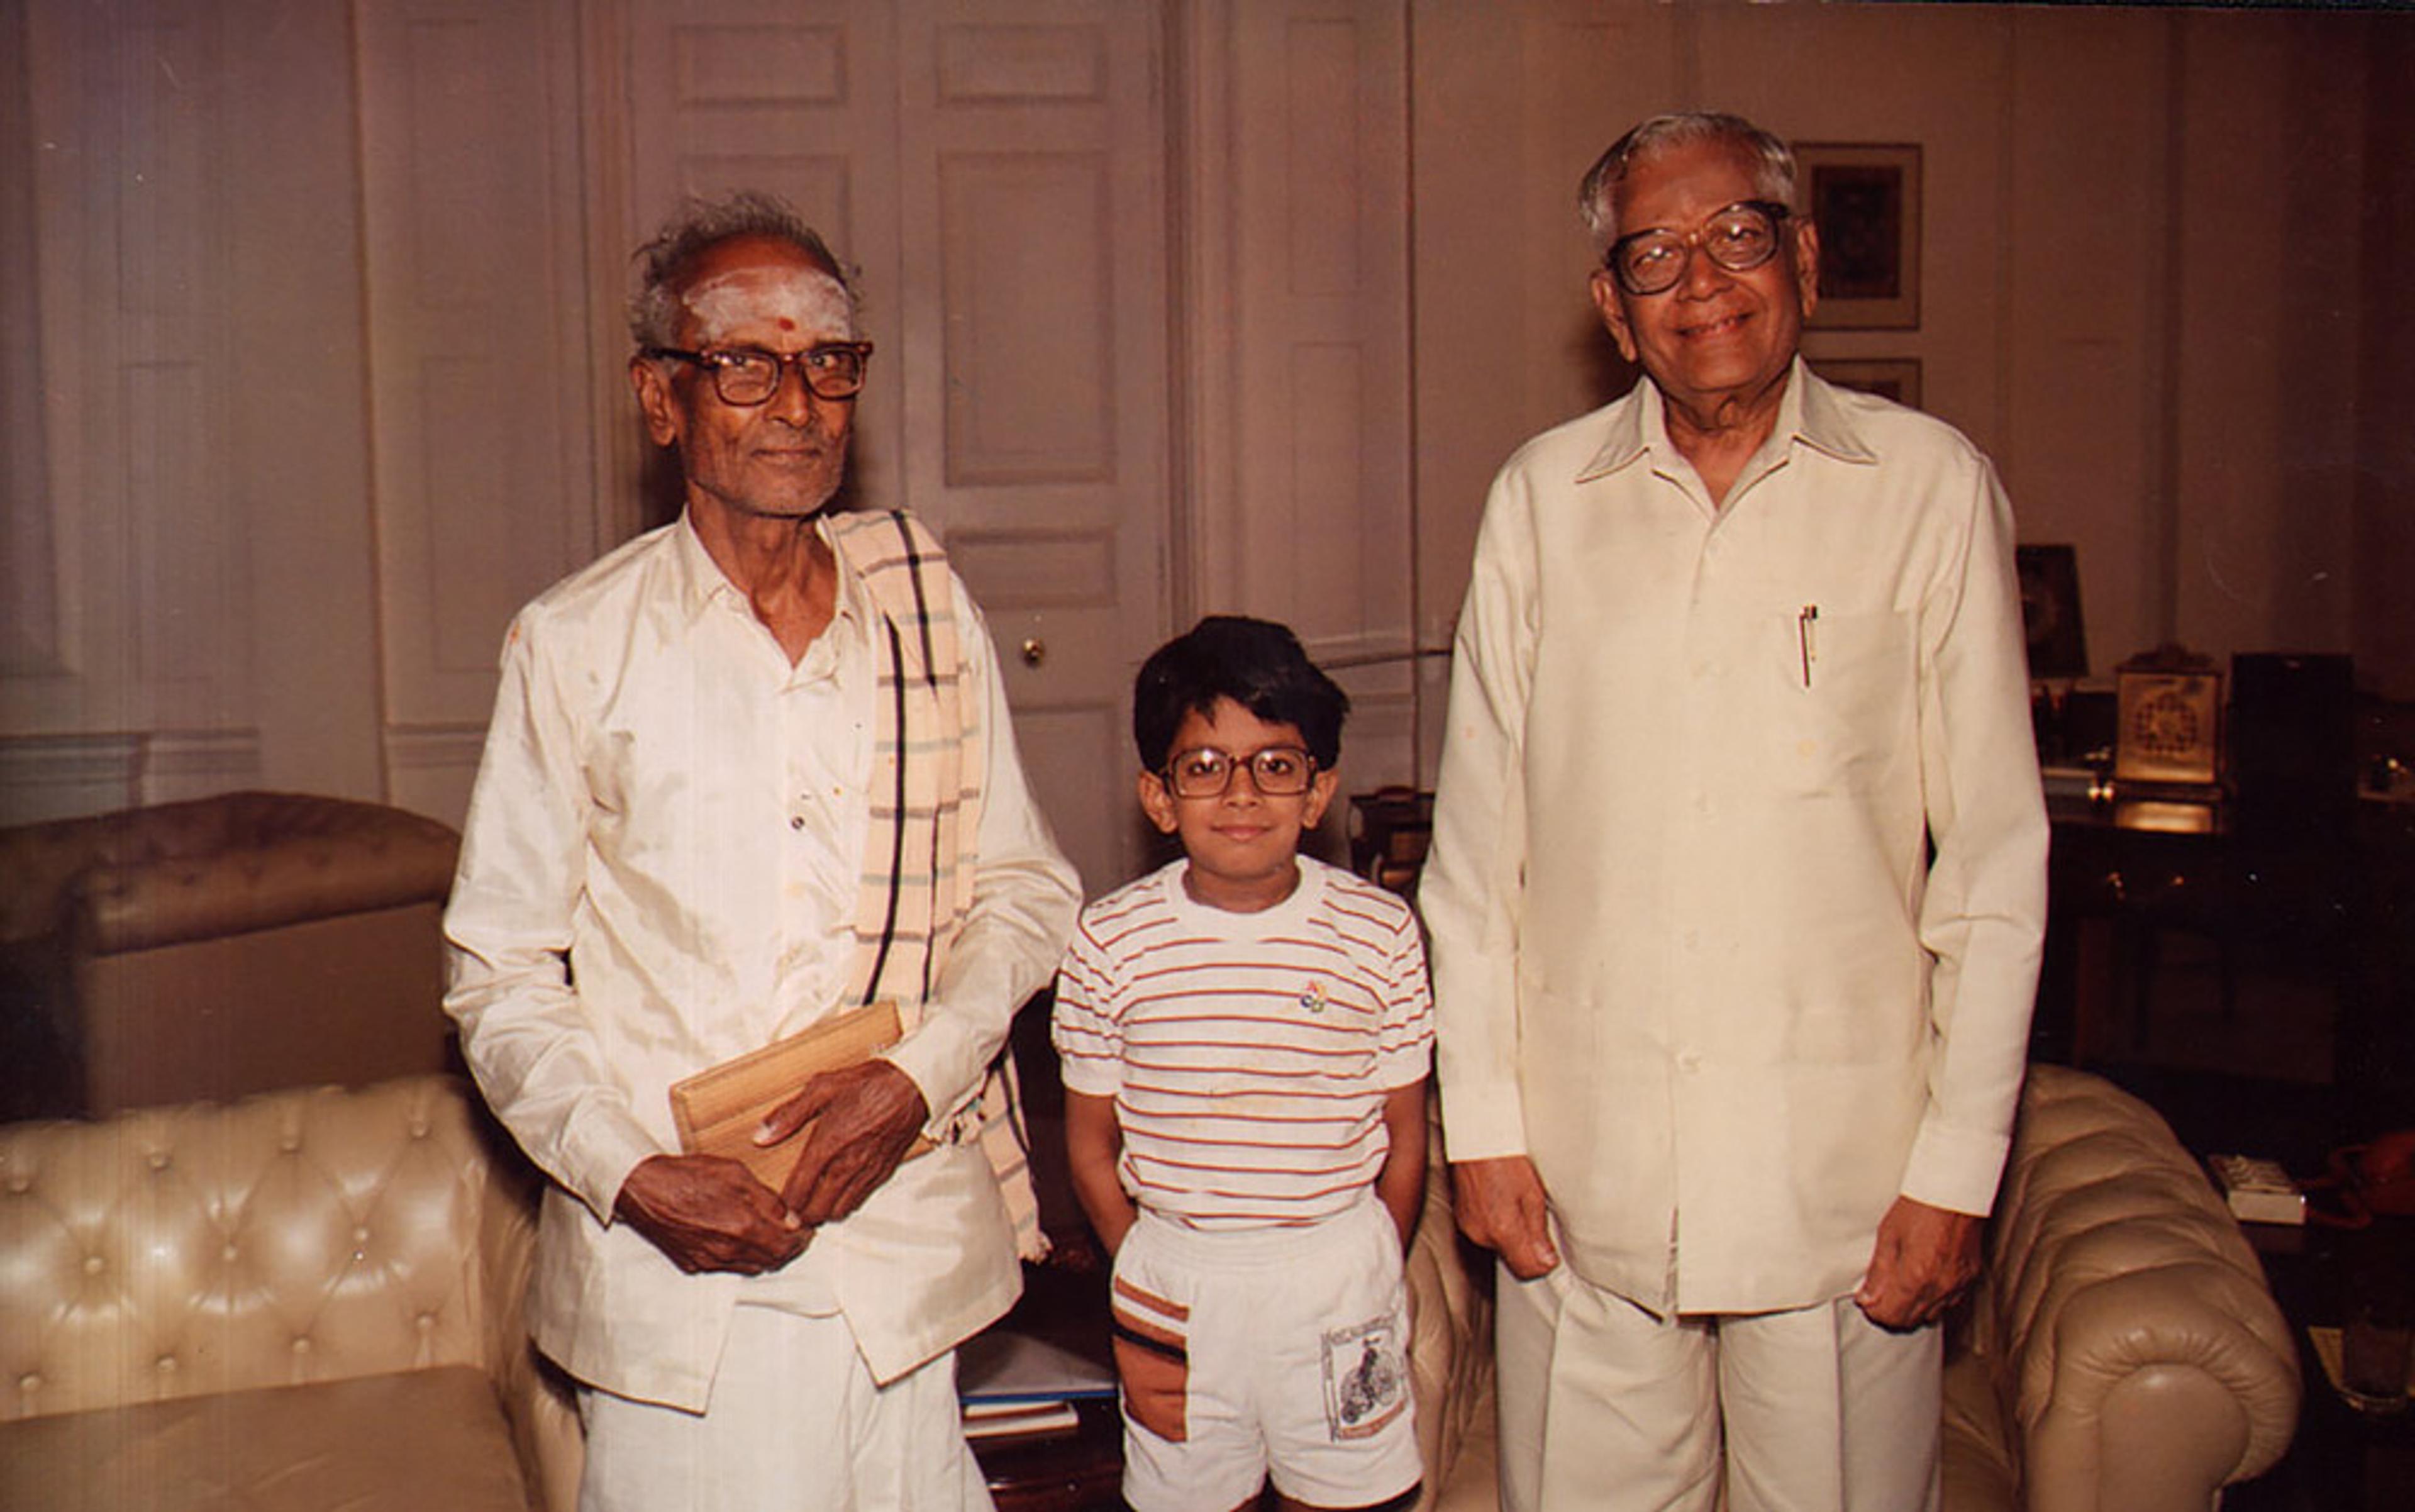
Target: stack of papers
[(1012, 1383), (1004, 1365)]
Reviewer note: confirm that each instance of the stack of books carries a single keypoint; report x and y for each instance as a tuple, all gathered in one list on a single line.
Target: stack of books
[(1014, 1384)]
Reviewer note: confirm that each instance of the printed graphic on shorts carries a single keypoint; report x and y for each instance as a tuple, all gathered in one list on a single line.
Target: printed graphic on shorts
[(1153, 1345), (1366, 1377)]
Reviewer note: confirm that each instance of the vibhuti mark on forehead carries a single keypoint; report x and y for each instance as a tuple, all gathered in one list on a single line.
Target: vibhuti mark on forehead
[(797, 298)]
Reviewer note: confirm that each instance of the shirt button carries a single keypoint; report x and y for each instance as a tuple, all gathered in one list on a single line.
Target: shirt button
[(797, 822), (1689, 1061), (1693, 941)]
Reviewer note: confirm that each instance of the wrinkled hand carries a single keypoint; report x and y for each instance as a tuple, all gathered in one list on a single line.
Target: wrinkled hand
[(709, 1214), (864, 1117), (1925, 1258), (1501, 1206)]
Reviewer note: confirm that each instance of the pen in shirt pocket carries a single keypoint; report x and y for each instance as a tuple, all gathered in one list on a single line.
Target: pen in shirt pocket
[(1807, 635)]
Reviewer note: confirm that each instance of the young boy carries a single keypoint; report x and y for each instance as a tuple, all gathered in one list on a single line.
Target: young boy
[(1245, 1036)]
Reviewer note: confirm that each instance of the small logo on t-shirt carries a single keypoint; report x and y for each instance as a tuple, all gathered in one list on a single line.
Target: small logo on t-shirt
[(1313, 998)]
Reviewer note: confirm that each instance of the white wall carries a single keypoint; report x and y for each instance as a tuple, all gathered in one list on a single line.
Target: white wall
[(2142, 287), (293, 414)]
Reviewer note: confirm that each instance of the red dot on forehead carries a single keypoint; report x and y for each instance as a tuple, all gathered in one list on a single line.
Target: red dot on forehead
[(786, 324)]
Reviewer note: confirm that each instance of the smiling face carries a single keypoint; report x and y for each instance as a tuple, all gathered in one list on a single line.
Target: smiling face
[(1718, 339), (782, 459), (1244, 845)]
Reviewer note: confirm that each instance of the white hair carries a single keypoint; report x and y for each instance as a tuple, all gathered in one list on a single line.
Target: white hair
[(1772, 163), (665, 263)]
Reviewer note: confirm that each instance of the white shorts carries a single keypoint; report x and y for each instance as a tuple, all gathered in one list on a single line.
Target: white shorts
[(1264, 1354)]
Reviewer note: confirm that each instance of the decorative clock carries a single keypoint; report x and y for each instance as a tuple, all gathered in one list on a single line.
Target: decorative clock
[(2170, 721)]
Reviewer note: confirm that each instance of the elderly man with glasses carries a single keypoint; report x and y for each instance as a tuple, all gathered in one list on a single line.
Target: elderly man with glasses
[(1737, 885), (746, 772)]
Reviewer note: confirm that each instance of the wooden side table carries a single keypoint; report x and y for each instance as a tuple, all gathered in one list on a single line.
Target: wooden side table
[(1078, 1470)]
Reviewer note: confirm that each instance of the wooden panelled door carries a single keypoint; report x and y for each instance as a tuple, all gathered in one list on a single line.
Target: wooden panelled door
[(996, 170)]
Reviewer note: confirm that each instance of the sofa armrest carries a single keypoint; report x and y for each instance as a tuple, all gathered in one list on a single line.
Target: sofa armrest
[(538, 1400), (1450, 1330), (2133, 1340)]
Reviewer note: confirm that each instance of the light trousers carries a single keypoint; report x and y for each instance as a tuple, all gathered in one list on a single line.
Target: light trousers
[(1605, 1407), (796, 1423)]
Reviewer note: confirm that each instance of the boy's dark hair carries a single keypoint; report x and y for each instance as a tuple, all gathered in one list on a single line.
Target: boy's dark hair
[(1255, 663)]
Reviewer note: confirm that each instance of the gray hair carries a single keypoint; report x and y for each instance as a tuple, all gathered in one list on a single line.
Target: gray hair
[(665, 263), (1772, 163)]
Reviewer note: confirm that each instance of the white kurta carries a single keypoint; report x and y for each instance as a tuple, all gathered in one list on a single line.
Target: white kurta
[(658, 874), (1691, 952)]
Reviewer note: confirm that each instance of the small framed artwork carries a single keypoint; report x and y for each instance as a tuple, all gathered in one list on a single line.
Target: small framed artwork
[(1865, 201), (1889, 378), (2058, 642)]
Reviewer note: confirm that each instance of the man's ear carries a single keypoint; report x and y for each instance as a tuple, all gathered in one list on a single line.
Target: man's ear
[(655, 400), (1614, 314), (1156, 803), (1321, 789), (1807, 263)]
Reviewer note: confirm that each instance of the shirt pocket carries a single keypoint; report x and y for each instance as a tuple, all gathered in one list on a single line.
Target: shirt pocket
[(1845, 719)]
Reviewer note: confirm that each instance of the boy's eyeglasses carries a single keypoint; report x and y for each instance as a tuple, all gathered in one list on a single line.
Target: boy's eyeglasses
[(1276, 771)]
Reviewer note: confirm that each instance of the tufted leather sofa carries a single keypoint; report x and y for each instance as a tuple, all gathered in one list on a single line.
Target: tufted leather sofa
[(2121, 1353), (306, 1301), (195, 949)]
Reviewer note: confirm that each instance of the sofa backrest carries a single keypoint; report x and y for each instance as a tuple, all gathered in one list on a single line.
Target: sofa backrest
[(220, 946), (293, 1237)]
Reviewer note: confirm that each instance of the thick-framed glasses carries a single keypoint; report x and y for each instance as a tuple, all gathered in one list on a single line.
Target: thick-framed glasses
[(1275, 770), (1739, 238), (749, 375)]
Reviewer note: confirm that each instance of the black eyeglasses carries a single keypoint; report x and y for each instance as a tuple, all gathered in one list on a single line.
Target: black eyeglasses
[(1276, 771), (1739, 238), (750, 375)]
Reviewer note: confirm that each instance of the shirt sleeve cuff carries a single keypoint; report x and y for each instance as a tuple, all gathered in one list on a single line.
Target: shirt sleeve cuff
[(601, 1153), (1481, 1123), (943, 1064), (1956, 1169)]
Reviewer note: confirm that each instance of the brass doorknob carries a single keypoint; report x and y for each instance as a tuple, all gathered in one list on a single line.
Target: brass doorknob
[(1035, 651)]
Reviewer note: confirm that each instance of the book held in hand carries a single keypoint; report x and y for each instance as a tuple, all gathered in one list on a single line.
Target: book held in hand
[(718, 1109)]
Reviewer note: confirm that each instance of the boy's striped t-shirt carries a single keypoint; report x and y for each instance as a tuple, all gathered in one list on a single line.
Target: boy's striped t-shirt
[(1248, 1054)]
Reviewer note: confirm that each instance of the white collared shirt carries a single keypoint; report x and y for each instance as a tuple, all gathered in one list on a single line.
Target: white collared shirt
[(1691, 952)]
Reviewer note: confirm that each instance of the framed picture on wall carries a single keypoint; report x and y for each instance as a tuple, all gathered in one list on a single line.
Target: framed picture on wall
[(2050, 619), (1889, 378), (1865, 197)]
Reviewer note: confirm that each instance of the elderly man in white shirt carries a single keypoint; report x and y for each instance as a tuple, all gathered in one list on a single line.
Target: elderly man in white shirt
[(745, 773), (1737, 885)]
